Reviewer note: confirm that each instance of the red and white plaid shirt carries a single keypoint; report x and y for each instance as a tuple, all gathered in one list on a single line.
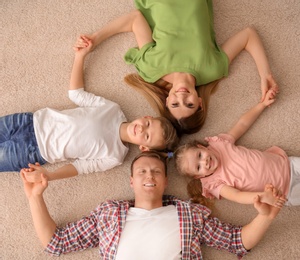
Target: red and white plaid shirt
[(103, 228)]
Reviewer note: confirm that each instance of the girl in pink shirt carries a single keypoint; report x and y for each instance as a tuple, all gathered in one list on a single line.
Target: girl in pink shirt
[(236, 172)]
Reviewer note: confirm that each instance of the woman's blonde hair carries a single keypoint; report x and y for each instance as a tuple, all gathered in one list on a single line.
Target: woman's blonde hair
[(156, 94)]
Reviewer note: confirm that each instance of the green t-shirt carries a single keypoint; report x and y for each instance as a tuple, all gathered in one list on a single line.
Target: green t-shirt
[(184, 41)]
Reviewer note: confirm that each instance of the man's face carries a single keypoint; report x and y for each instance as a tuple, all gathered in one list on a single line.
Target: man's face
[(149, 179)]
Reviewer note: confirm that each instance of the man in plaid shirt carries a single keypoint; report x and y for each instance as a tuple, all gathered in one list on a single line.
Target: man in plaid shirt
[(153, 226)]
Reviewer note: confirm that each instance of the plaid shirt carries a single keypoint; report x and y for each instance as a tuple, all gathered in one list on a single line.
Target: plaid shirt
[(103, 228)]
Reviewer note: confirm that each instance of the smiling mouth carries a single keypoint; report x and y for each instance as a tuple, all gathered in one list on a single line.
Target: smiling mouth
[(182, 90), (149, 185)]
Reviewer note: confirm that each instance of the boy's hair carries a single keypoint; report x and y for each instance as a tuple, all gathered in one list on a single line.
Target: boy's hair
[(178, 155), (152, 154), (169, 135)]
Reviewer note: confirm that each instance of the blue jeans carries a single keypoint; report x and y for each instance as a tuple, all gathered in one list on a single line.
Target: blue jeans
[(18, 145)]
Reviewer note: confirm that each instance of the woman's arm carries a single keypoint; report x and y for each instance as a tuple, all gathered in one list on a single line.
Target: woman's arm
[(249, 40), (132, 22)]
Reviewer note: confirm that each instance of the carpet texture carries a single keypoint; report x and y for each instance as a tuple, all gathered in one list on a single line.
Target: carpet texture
[(36, 59)]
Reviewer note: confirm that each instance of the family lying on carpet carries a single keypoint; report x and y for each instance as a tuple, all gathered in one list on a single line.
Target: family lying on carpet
[(179, 65)]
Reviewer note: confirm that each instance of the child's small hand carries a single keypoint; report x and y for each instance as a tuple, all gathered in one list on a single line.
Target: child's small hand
[(273, 196), (33, 173), (83, 45), (269, 98), (268, 83)]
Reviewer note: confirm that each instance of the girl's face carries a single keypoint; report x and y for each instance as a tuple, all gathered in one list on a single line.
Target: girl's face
[(183, 101), (199, 162)]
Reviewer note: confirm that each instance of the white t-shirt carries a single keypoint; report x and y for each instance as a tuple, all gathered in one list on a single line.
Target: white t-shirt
[(89, 134), (150, 234)]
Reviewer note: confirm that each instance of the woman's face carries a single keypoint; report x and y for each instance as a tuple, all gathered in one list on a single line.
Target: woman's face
[(183, 101)]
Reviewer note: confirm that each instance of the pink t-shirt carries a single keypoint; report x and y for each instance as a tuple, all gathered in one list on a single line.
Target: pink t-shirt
[(245, 169)]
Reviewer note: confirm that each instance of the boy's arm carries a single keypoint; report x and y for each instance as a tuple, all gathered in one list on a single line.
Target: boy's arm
[(76, 80), (249, 40), (43, 223), (33, 173), (247, 119), (255, 230), (270, 196)]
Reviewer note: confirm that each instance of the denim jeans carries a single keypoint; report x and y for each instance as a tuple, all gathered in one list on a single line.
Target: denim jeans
[(18, 145)]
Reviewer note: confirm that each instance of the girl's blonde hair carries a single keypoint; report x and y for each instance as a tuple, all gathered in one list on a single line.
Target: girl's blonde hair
[(194, 186), (156, 94)]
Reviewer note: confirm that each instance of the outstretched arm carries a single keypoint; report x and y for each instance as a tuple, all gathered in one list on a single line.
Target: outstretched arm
[(247, 119), (132, 22), (270, 196), (254, 231), (35, 171), (43, 223), (249, 40)]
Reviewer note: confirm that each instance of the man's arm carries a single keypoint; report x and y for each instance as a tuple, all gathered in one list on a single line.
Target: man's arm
[(247, 119), (249, 40), (131, 22), (43, 223), (255, 230)]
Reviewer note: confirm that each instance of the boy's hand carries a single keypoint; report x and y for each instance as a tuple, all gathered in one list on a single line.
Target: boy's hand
[(34, 172), (267, 84), (83, 45)]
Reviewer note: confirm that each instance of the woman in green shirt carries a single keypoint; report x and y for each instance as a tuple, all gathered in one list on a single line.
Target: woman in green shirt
[(178, 60)]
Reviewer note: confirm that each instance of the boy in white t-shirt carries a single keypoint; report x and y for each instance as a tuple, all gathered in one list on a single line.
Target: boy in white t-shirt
[(95, 134)]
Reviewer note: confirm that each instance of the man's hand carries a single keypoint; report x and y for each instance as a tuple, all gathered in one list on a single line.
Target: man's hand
[(34, 171), (34, 189), (266, 209)]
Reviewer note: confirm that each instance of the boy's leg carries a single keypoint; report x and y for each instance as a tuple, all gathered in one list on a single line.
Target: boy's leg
[(18, 144)]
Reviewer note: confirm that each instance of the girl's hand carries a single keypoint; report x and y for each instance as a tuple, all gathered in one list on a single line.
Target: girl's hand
[(269, 98), (268, 83)]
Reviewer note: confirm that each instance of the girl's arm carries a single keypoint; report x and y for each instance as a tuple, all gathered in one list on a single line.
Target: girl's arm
[(247, 119), (132, 22), (270, 196), (249, 40)]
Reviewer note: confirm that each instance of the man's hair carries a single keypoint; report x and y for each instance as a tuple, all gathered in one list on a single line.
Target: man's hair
[(170, 137), (178, 155), (151, 154)]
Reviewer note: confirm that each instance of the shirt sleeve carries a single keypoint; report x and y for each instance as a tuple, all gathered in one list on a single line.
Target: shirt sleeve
[(95, 165), (83, 98), (215, 233), (75, 236)]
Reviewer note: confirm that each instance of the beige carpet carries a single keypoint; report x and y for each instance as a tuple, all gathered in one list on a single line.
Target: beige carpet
[(36, 59)]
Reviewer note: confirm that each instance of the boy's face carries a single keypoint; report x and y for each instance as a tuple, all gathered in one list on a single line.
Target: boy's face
[(146, 132), (199, 162), (148, 179)]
